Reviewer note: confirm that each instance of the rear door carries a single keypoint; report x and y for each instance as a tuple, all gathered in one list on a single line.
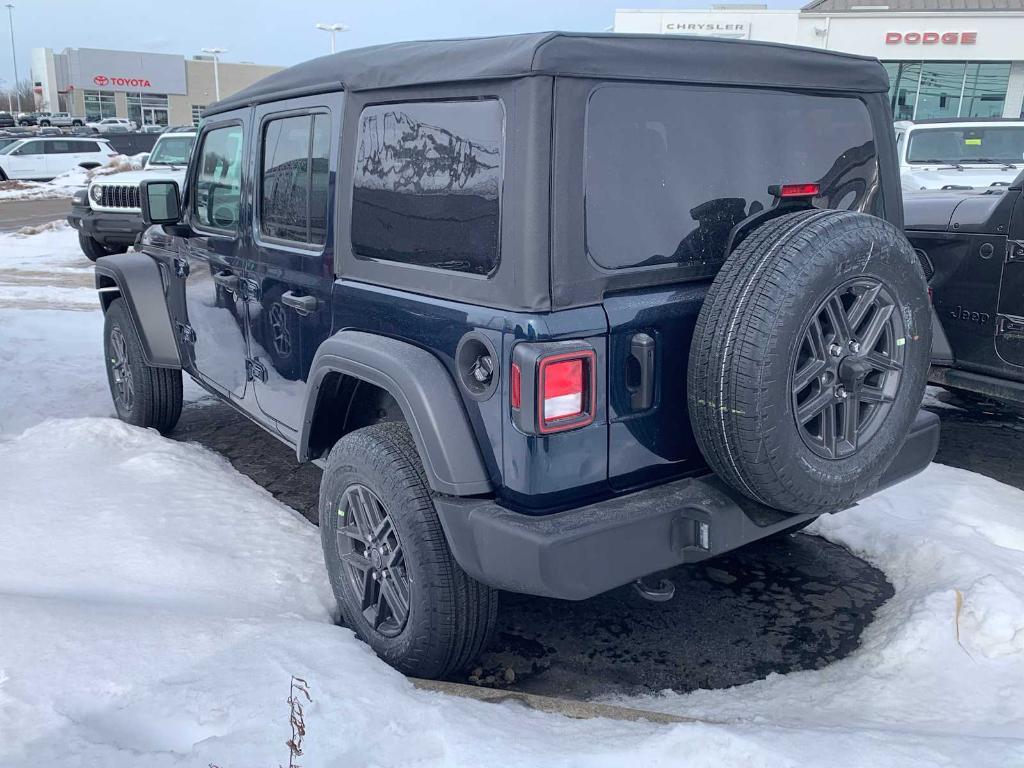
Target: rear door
[(669, 171), (295, 151), (212, 321)]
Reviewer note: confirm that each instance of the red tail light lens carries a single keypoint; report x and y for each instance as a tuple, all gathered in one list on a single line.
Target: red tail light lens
[(799, 190), (567, 383)]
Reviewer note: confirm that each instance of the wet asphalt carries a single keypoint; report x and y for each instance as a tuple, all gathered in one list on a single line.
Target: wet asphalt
[(781, 605)]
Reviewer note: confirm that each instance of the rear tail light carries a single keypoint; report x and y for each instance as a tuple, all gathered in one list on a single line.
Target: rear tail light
[(553, 386)]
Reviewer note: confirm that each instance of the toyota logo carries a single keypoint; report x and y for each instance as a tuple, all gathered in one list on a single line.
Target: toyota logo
[(101, 79)]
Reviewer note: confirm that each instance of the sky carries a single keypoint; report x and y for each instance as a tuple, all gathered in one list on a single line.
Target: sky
[(282, 32)]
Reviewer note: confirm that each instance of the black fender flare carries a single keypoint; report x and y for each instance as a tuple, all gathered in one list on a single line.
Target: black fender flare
[(424, 391), (137, 279)]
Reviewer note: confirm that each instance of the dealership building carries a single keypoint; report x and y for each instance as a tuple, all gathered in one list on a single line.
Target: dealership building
[(149, 88), (945, 58)]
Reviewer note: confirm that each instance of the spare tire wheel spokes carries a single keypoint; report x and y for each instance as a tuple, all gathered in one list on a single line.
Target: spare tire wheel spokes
[(848, 366)]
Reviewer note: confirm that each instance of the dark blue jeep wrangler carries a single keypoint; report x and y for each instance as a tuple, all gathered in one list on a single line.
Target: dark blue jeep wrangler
[(553, 312)]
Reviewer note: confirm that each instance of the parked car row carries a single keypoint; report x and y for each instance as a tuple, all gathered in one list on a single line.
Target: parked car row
[(43, 157)]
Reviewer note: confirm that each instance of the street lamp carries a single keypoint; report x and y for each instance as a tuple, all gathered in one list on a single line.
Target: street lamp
[(215, 52), (14, 56), (333, 29)]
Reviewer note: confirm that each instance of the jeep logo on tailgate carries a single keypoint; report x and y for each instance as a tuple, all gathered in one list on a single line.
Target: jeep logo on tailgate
[(961, 313)]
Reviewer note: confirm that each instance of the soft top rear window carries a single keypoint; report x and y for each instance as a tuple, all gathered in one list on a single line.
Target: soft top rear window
[(670, 170)]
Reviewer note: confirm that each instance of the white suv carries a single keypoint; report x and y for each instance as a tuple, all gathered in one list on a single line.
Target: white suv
[(43, 158), (113, 125), (950, 153)]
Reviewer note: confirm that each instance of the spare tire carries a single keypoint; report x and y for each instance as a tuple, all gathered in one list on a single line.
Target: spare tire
[(809, 359)]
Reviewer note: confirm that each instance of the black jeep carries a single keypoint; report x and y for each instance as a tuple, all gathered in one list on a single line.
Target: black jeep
[(971, 243), (553, 312)]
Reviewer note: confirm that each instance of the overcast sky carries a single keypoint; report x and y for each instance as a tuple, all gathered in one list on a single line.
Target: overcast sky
[(282, 32)]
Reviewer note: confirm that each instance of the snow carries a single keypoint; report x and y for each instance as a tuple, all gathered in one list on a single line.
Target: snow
[(68, 182), (154, 605)]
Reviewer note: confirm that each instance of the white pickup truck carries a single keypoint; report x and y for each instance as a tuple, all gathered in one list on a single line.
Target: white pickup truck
[(108, 215), (949, 153), (60, 120)]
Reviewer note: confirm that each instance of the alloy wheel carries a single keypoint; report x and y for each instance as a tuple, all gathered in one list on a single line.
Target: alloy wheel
[(372, 556), (848, 368), (124, 384)]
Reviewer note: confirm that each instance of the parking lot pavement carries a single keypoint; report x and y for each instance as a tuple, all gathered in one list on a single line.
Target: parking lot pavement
[(15, 214)]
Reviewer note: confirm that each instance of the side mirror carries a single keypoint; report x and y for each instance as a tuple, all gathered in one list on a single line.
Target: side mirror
[(144, 159), (160, 202)]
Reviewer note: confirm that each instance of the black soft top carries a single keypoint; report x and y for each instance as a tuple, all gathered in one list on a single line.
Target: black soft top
[(674, 58)]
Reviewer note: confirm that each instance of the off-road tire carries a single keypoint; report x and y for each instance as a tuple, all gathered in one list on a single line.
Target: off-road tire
[(750, 337), (450, 615), (93, 249), (156, 392)]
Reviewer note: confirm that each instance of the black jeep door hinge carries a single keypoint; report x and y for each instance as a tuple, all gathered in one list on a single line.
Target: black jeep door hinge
[(186, 334), (255, 370), (1015, 250), (250, 289), (180, 267)]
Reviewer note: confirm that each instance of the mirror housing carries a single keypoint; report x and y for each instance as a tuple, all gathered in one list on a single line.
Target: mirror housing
[(161, 202)]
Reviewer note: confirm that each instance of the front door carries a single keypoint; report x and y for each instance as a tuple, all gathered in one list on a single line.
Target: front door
[(294, 266), (213, 328), (1010, 320)]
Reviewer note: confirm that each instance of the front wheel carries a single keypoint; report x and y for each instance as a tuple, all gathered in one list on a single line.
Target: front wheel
[(393, 575), (44, 123), (143, 395), (76, 123), (92, 248)]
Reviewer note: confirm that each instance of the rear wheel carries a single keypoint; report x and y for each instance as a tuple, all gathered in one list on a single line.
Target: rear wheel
[(44, 123), (809, 359), (143, 395), (395, 580)]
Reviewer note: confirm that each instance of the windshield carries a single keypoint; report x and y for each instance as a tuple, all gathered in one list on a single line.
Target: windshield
[(172, 150), (1002, 144), (5, 149)]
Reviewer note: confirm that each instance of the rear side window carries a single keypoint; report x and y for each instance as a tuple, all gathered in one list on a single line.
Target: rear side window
[(218, 183), (295, 178), (428, 184), (671, 170)]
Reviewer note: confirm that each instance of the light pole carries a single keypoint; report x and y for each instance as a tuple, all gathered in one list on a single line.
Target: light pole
[(10, 104), (14, 56), (333, 29), (215, 52)]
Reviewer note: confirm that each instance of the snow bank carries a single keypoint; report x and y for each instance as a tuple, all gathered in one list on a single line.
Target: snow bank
[(154, 605), (68, 182)]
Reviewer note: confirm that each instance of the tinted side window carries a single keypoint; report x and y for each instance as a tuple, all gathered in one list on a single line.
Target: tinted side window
[(428, 184), (218, 183), (32, 148), (295, 179), (670, 170)]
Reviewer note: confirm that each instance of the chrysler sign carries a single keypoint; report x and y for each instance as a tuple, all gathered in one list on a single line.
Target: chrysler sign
[(931, 38)]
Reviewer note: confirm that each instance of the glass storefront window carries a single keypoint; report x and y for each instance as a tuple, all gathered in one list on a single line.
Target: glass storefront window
[(919, 90), (985, 91), (98, 105), (148, 108)]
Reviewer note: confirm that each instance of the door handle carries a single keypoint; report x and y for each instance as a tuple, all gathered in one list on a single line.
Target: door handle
[(640, 372), (226, 280), (301, 304)]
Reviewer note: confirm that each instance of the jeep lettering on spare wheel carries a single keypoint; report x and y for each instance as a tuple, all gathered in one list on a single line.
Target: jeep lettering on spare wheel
[(809, 360)]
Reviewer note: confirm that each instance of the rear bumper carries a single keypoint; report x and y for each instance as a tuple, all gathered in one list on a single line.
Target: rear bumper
[(107, 228), (582, 552)]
